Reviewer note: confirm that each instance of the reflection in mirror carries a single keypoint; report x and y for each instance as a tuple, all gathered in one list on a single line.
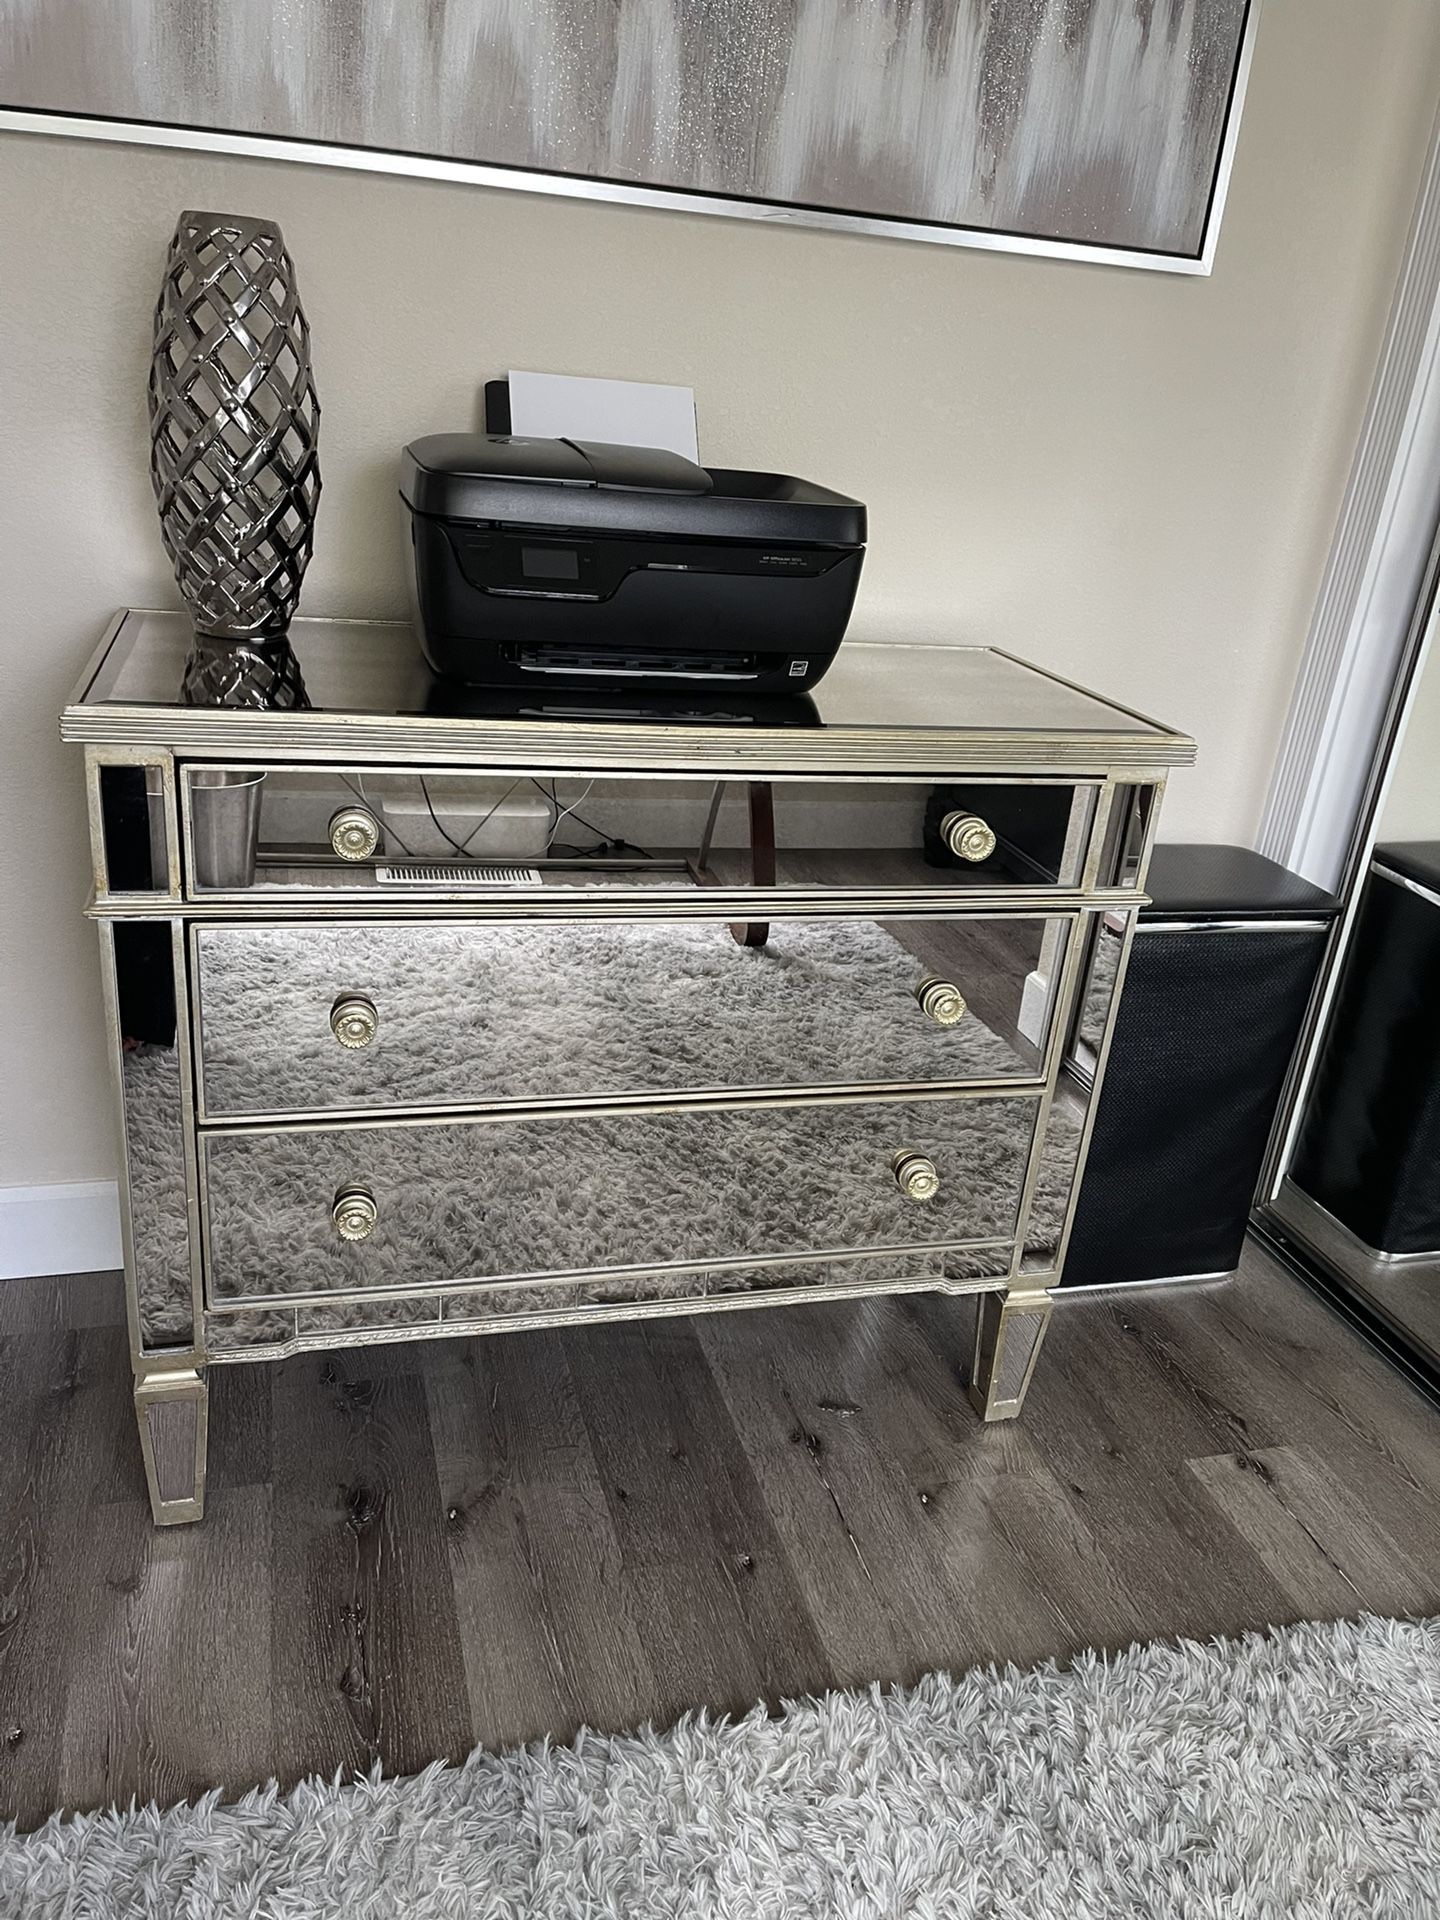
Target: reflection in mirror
[(1075, 1092), (353, 1017), (260, 1327), (919, 1272), (1036, 833), (1126, 834), (363, 831), (1362, 1190), (699, 707), (338, 1211), (260, 674), (150, 1079), (132, 828), (271, 1329)]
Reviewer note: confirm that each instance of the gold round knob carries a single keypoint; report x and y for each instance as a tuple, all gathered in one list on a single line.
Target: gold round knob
[(354, 833), (915, 1174), (941, 999), (967, 836), (354, 1213), (353, 1020)]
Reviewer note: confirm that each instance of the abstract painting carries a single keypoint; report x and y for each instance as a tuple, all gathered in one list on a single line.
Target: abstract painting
[(1100, 127)]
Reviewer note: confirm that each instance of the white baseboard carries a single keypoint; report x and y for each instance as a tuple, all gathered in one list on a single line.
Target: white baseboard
[(70, 1228), (1035, 1007)]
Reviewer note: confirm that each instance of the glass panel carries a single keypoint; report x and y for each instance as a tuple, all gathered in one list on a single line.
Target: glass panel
[(436, 1204), (351, 1316), (1362, 1194), (396, 835), (174, 1431), (251, 1329), (262, 1327), (505, 1302), (1364, 1181), (368, 667), (132, 829), (1125, 837), (1060, 1153), (150, 1072), (1022, 1331), (351, 1018), (1102, 965)]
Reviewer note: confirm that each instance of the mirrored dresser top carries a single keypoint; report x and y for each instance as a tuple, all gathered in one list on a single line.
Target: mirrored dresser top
[(367, 689)]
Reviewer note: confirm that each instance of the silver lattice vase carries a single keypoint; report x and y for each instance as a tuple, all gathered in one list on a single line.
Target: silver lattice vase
[(234, 425)]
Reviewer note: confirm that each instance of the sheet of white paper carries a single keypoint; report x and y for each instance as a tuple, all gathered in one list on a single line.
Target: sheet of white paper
[(627, 413)]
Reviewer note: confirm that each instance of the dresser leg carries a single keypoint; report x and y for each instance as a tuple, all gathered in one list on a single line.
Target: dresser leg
[(1009, 1329), (171, 1406)]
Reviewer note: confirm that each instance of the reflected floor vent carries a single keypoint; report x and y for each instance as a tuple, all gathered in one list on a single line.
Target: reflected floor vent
[(418, 873)]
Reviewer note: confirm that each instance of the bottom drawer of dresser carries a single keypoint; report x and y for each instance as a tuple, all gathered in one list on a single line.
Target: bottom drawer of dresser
[(565, 1196)]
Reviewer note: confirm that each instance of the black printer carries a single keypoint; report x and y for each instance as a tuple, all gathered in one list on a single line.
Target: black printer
[(572, 563)]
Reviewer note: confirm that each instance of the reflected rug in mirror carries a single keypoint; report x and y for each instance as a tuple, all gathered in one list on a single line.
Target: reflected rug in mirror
[(478, 1013), (1290, 1773), (533, 1010)]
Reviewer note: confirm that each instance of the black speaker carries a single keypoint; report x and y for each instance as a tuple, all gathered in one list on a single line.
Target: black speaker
[(1221, 970), (1369, 1147)]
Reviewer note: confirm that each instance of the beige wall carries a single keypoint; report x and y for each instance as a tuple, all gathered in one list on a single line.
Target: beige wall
[(1412, 806), (1130, 477)]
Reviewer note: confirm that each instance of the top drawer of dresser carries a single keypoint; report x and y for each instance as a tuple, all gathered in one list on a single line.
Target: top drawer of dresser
[(395, 837)]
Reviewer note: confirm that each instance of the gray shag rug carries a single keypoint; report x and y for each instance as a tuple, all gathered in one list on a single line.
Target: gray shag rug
[(1291, 1775), (534, 1010)]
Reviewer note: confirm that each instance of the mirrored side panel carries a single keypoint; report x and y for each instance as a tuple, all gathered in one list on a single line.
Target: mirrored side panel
[(131, 807), (280, 830), (148, 1032), (1132, 813), (1067, 1124)]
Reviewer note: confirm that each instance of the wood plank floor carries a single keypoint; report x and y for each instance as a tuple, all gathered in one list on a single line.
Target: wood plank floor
[(415, 1549)]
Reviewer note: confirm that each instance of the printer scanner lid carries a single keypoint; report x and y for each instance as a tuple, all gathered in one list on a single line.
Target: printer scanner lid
[(534, 462), (593, 484)]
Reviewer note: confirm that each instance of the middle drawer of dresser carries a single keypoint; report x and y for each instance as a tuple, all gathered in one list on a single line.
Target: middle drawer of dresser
[(311, 1212), (362, 1018)]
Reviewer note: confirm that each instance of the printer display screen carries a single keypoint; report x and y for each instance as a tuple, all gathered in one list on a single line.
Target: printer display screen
[(550, 563)]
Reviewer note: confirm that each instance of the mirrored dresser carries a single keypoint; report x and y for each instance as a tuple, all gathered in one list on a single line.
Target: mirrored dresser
[(436, 1012)]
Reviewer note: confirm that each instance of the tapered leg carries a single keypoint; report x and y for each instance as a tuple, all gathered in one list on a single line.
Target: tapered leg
[(1008, 1333), (171, 1405)]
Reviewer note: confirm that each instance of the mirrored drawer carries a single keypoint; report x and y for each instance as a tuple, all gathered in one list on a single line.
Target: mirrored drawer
[(456, 834), (339, 1017), (300, 1214), (272, 1330)]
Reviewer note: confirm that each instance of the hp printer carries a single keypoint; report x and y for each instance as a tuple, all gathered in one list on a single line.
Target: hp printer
[(569, 563)]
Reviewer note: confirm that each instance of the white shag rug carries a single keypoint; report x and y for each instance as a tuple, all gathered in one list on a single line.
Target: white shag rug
[(1292, 1775)]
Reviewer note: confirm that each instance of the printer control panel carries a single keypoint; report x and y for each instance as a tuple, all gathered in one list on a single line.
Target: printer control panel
[(538, 564)]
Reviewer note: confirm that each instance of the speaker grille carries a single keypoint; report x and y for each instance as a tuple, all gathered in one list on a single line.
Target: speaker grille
[(1207, 1024)]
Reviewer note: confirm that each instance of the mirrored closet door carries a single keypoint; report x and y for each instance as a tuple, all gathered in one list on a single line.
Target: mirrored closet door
[(1357, 1189)]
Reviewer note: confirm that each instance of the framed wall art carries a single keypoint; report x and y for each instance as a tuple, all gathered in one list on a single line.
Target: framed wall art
[(1089, 129)]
